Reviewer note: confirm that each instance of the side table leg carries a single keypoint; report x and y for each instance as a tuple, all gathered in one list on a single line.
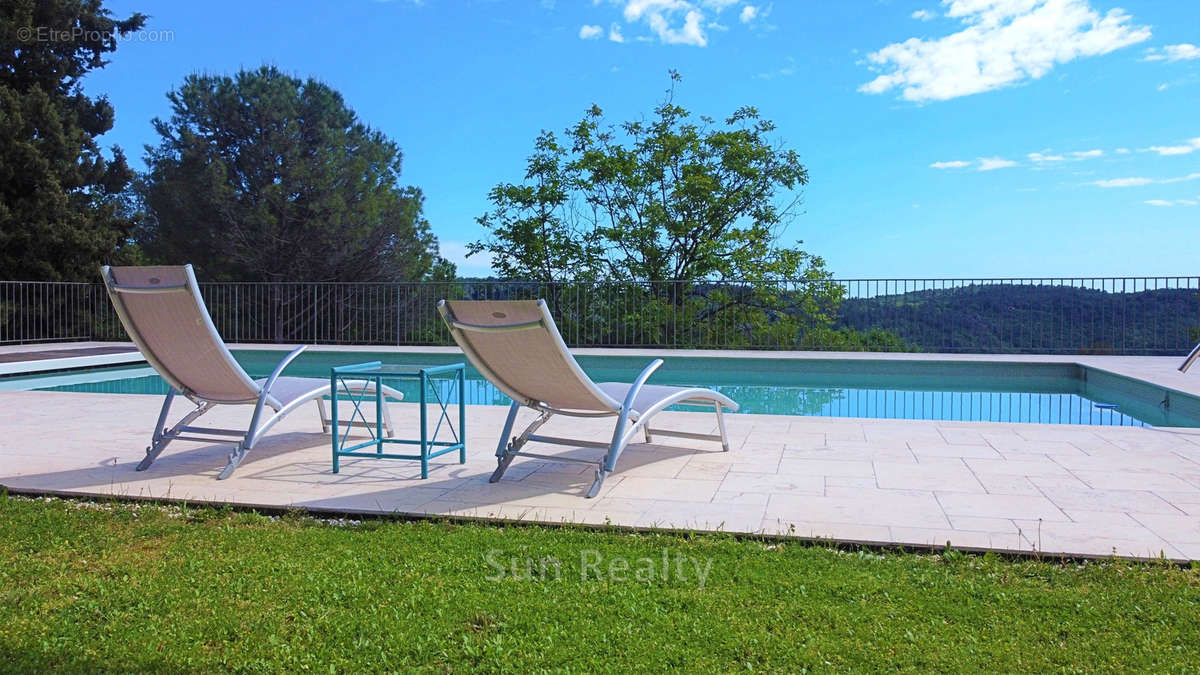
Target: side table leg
[(424, 430), (333, 418), (462, 416), (379, 416)]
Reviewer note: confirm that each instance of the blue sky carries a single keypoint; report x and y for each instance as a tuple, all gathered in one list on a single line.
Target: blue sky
[(943, 138)]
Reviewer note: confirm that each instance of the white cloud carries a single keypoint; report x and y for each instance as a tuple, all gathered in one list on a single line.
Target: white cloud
[(677, 22), (993, 163), (1122, 151), (1172, 202), (1181, 179), (1172, 53), (1139, 181), (953, 164), (590, 32), (1003, 42), (924, 15), (690, 34), (1122, 182), (1187, 148), (1039, 157)]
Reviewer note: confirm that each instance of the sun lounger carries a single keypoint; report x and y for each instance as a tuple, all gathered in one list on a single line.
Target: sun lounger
[(164, 315), (517, 347)]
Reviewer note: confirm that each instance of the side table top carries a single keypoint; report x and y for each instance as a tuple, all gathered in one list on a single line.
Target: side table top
[(378, 368)]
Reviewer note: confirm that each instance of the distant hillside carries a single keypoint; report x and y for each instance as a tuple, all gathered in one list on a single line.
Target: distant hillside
[(1011, 318)]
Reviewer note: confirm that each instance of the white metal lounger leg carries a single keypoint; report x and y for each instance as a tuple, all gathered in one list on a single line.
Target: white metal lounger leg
[(163, 435), (721, 426), (323, 413), (506, 451), (388, 428)]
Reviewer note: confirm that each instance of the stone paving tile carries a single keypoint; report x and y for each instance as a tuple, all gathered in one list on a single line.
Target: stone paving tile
[(1012, 449), (962, 436), (1001, 484), (900, 510), (850, 481), (1107, 546), (1105, 518), (677, 489), (702, 471), (954, 477), (869, 493), (1133, 480), (736, 497), (1109, 500), (999, 506), (846, 432), (663, 468), (873, 445), (823, 530), (924, 536), (1163, 462), (1058, 482), (831, 467), (736, 481), (629, 504), (383, 500), (1188, 551), (746, 518), (842, 454), (1188, 502), (803, 440), (1153, 441), (923, 450), (1026, 466), (1064, 433), (1058, 537), (994, 525), (1172, 527)]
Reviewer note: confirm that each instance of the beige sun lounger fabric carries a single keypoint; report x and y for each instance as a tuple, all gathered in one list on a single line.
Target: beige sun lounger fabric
[(516, 345), (164, 314)]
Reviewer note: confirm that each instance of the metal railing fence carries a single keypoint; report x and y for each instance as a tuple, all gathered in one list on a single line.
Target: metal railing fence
[(1110, 315)]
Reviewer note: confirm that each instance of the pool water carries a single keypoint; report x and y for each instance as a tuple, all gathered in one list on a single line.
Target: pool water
[(928, 390)]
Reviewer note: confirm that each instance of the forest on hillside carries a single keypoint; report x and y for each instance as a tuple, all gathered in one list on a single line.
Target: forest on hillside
[(1016, 318)]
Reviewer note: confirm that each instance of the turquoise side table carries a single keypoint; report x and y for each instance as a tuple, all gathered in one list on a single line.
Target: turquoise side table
[(440, 385)]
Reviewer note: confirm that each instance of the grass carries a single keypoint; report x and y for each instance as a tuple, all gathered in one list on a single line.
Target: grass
[(122, 586)]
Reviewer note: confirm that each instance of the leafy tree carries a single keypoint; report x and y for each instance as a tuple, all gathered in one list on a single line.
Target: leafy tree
[(266, 177), (61, 210), (668, 204), (536, 234)]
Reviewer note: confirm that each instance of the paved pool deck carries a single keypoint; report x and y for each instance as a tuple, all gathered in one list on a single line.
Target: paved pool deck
[(1055, 489)]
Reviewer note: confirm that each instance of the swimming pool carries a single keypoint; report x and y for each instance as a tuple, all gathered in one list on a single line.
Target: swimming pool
[(1050, 393)]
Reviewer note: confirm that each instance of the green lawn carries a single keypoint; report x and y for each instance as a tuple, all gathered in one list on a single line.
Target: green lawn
[(123, 587)]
